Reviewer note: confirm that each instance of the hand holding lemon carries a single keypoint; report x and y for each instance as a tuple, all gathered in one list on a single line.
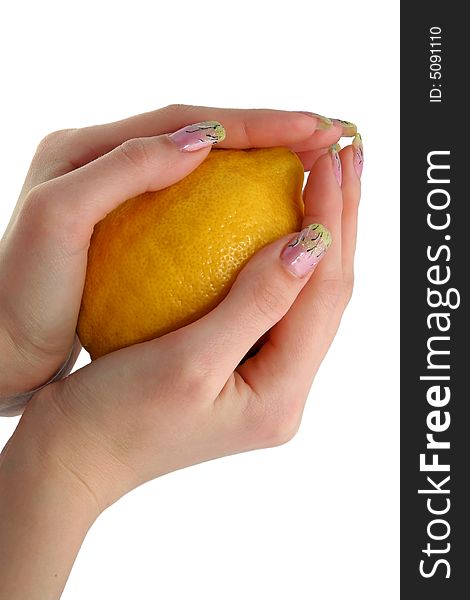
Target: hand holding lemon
[(175, 259)]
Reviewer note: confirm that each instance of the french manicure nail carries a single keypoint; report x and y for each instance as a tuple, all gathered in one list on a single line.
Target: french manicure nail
[(338, 171), (323, 122), (197, 136), (349, 129), (358, 154), (303, 253)]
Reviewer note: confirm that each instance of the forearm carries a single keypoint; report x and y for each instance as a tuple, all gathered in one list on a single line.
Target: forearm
[(44, 518)]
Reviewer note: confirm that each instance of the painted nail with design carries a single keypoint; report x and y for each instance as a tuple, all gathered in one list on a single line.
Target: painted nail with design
[(349, 129), (358, 154), (303, 253), (199, 135), (323, 122), (338, 171)]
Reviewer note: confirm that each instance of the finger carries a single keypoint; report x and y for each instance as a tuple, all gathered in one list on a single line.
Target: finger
[(323, 203), (310, 157), (250, 128), (352, 158), (263, 292), (285, 365)]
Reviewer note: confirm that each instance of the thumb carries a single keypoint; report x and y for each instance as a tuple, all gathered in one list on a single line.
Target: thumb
[(136, 166), (261, 295)]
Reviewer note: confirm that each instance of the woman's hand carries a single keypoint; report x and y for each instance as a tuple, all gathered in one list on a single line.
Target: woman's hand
[(76, 177)]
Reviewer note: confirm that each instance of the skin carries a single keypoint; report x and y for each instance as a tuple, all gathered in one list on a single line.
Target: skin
[(143, 411)]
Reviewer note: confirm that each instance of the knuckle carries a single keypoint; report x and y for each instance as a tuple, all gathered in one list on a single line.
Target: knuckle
[(331, 293), (177, 108), (134, 151), (281, 429), (39, 211), (348, 288), (282, 433), (42, 214), (195, 382), (270, 301), (54, 141), (246, 132), (194, 377), (37, 201), (274, 421)]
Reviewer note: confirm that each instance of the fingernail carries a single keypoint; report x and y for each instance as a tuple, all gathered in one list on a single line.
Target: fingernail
[(336, 162), (303, 253), (349, 129), (197, 136), (323, 122), (358, 154)]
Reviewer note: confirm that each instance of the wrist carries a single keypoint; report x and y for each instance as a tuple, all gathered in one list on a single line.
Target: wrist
[(27, 465), (37, 451), (72, 453), (44, 516)]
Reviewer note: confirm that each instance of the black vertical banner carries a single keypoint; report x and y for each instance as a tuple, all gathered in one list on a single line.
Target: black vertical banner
[(435, 330)]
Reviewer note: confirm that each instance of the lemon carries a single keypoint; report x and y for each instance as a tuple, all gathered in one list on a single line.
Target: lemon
[(163, 259)]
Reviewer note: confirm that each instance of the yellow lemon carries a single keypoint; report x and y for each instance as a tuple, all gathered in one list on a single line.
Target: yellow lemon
[(163, 259)]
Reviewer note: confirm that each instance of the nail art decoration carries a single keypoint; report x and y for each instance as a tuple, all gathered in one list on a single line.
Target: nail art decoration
[(199, 135), (336, 162), (303, 253), (349, 129), (358, 154)]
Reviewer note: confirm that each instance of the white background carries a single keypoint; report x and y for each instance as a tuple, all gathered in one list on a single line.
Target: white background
[(317, 518)]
